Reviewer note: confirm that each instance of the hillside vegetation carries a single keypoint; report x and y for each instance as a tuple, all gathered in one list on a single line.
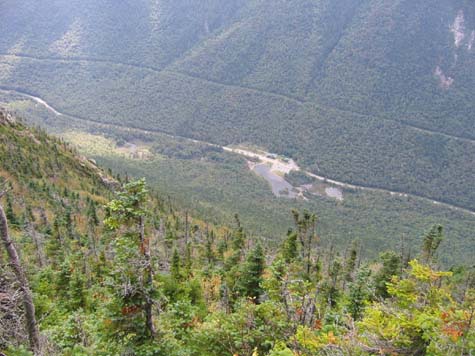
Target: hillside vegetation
[(117, 270)]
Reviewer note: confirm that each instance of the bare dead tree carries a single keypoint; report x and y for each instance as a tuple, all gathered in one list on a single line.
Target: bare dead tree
[(12, 318), (145, 246), (31, 324), (37, 241), (186, 228)]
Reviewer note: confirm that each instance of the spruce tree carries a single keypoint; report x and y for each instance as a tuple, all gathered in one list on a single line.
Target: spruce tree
[(306, 232), (251, 277), (290, 247), (237, 244), (391, 266), (431, 243), (359, 293), (10, 214), (209, 253), (129, 212), (175, 269)]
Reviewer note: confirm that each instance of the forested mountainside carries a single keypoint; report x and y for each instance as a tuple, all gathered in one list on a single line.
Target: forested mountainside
[(115, 269), (377, 93)]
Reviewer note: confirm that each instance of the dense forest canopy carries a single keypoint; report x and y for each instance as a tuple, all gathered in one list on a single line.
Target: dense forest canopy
[(373, 92)]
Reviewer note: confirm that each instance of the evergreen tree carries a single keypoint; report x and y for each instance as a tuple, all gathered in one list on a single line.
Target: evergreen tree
[(68, 223), (188, 265), (238, 241), (134, 268), (350, 263), (251, 277), (290, 248), (92, 217), (175, 269), (331, 290), (209, 253), (55, 248), (306, 232), (10, 214), (431, 243), (391, 266), (239, 237), (359, 293)]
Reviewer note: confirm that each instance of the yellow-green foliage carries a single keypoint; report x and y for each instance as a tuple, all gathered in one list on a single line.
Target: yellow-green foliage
[(421, 314)]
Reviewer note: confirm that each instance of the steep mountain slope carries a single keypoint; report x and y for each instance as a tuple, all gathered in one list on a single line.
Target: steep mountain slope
[(408, 61), (275, 46), (54, 203), (32, 160), (51, 199), (146, 32), (373, 92)]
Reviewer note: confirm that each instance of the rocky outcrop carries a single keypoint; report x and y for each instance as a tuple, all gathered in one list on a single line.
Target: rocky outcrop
[(6, 118)]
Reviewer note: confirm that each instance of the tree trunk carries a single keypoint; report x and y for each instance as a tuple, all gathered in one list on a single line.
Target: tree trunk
[(149, 279), (38, 246), (186, 228), (31, 324)]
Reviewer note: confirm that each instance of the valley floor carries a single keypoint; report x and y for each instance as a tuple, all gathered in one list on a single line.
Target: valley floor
[(278, 164)]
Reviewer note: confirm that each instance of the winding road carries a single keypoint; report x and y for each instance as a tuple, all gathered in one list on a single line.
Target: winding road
[(284, 166)]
